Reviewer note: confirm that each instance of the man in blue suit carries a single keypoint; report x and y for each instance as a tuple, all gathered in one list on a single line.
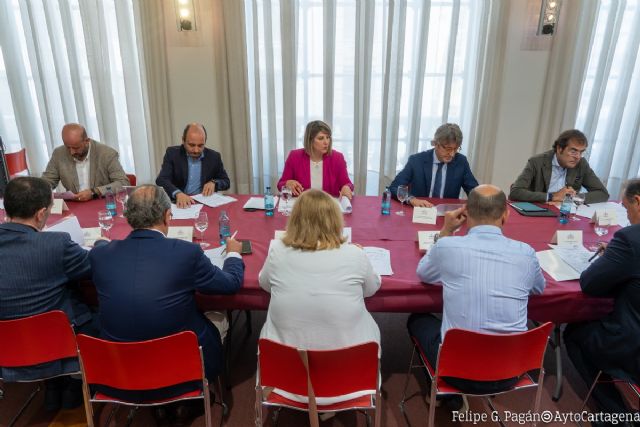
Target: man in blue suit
[(39, 273), (190, 168), (437, 173), (147, 282)]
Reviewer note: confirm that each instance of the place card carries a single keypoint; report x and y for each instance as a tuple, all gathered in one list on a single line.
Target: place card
[(567, 238), (605, 217), (58, 206), (91, 234), (426, 240), (182, 233), (425, 215)]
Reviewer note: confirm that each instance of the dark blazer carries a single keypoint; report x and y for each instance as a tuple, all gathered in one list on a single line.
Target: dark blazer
[(146, 288), (612, 342), (175, 170), (417, 175), (38, 273), (533, 182)]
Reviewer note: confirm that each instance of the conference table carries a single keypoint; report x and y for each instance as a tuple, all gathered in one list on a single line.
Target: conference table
[(402, 292)]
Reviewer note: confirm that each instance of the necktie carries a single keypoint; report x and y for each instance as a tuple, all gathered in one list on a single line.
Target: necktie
[(438, 182)]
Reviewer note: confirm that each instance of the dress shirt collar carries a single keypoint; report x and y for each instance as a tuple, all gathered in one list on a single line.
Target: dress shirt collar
[(487, 229), (554, 161)]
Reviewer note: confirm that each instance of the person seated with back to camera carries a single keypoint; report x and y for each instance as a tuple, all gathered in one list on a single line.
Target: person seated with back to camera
[(318, 283)]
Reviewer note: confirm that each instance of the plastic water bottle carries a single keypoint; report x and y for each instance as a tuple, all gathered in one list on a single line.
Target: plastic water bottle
[(565, 209), (386, 202), (110, 202), (224, 227), (268, 202)]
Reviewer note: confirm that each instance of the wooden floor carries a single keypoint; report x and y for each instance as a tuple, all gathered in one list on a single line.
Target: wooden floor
[(396, 352)]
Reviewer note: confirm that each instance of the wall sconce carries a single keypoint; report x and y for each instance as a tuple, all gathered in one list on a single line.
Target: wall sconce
[(185, 15), (549, 11)]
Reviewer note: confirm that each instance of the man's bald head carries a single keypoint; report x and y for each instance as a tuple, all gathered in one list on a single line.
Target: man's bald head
[(194, 137), (74, 137), (487, 204), (147, 206)]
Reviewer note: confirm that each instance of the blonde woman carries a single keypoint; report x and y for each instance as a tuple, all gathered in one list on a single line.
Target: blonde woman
[(317, 281)]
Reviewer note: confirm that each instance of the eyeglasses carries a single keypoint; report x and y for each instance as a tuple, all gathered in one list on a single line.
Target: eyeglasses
[(448, 150), (575, 152)]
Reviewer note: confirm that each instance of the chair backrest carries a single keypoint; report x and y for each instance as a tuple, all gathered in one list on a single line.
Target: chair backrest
[(332, 372), (16, 162), (36, 339), (132, 179), (141, 365), (485, 357)]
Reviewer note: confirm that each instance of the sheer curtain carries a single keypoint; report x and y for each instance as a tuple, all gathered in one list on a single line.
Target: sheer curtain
[(384, 74), (609, 111), (71, 61)]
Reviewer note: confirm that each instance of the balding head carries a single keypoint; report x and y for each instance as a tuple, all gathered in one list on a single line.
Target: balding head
[(194, 137), (74, 137), (147, 207), (487, 204)]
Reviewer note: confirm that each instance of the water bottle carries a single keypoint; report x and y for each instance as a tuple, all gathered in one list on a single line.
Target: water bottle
[(386, 202), (110, 202), (565, 209), (268, 202), (224, 227)]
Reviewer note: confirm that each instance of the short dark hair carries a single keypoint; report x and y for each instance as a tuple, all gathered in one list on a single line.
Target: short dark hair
[(187, 127), (447, 133), (26, 195), (146, 206), (486, 208), (632, 188), (567, 135)]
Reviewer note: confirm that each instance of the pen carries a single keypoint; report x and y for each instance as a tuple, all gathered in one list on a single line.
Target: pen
[(234, 234), (600, 249)]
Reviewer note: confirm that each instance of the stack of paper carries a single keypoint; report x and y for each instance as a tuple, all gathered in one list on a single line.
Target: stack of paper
[(216, 256), (621, 212), (564, 262), (214, 200), (191, 212), (69, 225), (380, 259), (258, 203)]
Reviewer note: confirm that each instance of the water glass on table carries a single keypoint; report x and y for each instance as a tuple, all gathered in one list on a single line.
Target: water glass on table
[(600, 228), (121, 197), (201, 224), (105, 220), (578, 200), (402, 194), (285, 200)]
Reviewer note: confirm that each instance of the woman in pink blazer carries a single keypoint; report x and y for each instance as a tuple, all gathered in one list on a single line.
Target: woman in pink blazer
[(316, 165)]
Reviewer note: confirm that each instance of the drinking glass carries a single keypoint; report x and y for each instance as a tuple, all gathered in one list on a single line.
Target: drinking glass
[(600, 228), (403, 194), (201, 224), (578, 200), (121, 197), (285, 200), (106, 222)]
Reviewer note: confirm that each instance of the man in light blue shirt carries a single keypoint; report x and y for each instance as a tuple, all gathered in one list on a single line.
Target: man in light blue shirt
[(486, 278)]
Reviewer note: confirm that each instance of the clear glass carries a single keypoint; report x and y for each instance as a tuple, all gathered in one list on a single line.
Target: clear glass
[(286, 201), (121, 197), (578, 200), (402, 194), (201, 224), (600, 229), (105, 220)]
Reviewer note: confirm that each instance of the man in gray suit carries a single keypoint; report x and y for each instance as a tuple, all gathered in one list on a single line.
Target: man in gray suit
[(39, 274), (547, 177), (84, 166)]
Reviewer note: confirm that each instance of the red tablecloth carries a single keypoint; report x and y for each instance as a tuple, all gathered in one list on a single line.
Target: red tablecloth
[(402, 292)]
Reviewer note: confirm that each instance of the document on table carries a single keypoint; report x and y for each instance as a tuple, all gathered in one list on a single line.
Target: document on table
[(69, 225), (185, 213), (446, 207), (346, 232), (621, 212), (67, 195), (565, 263), (216, 256), (424, 215), (426, 239), (345, 205), (380, 259), (258, 203), (214, 200), (182, 233), (90, 235)]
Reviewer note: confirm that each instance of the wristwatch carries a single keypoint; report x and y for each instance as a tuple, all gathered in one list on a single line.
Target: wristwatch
[(549, 197)]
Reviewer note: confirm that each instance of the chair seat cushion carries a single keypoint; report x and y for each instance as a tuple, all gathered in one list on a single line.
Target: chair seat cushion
[(362, 402), (101, 397)]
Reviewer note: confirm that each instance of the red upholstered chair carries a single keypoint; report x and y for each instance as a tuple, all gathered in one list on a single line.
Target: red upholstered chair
[(33, 340), (318, 373), (132, 179), (484, 357), (142, 365), (16, 162)]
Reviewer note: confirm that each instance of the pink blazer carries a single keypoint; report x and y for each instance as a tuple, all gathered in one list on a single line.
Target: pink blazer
[(334, 171)]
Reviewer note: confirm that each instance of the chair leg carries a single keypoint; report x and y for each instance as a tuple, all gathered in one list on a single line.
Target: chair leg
[(593, 385), (406, 380), (557, 393), (536, 404), (25, 405), (258, 407), (207, 404), (432, 404), (378, 411)]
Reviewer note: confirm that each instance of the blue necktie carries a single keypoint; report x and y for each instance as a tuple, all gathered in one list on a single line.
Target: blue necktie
[(438, 182)]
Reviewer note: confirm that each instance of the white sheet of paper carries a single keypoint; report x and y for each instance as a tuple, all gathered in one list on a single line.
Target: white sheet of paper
[(58, 206), (67, 195), (91, 234), (380, 259), (216, 256), (576, 257), (425, 215), (446, 207), (187, 213), (568, 238), (214, 200), (605, 217), (1, 204), (345, 205), (346, 232), (426, 239), (182, 233), (555, 266), (621, 212), (258, 203), (69, 225)]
